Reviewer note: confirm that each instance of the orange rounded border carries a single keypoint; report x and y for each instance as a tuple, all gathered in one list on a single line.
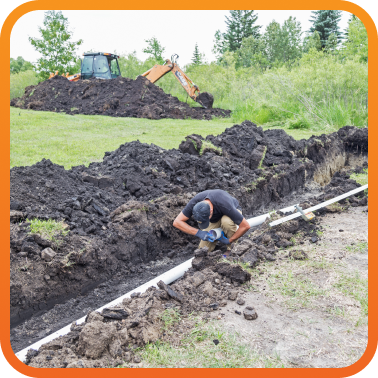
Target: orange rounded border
[(369, 18)]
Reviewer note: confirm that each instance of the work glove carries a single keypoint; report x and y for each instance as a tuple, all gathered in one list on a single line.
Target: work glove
[(205, 236), (223, 239)]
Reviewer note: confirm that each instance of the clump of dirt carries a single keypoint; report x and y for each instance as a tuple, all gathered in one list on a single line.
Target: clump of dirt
[(119, 212), (120, 97), (263, 243), (205, 99), (110, 338)]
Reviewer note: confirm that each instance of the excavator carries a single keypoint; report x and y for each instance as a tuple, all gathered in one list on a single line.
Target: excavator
[(96, 64), (158, 71), (105, 66)]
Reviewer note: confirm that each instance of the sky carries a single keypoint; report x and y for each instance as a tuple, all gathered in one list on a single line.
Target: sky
[(126, 31)]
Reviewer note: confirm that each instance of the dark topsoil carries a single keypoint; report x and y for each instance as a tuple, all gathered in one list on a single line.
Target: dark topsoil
[(120, 97), (119, 212)]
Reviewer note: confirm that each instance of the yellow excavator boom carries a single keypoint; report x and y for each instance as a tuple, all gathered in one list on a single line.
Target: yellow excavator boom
[(158, 71)]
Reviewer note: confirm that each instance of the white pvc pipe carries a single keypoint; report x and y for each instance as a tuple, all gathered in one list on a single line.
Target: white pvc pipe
[(256, 221), (167, 277), (319, 206)]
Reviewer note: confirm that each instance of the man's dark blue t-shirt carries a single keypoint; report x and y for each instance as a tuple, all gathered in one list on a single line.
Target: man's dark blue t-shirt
[(223, 204)]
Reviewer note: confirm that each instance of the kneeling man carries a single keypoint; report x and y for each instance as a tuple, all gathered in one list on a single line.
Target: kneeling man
[(213, 209)]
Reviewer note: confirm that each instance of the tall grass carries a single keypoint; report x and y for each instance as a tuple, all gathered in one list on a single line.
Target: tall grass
[(19, 81), (319, 91)]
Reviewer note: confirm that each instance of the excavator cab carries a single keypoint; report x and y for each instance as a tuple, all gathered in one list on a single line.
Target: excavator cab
[(100, 65)]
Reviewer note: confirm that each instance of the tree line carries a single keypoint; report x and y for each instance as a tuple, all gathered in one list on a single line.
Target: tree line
[(243, 42), (286, 43)]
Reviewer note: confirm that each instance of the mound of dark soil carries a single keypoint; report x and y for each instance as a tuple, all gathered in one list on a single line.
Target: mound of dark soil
[(120, 97), (119, 212)]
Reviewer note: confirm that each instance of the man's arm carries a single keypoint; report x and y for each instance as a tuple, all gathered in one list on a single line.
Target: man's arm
[(180, 223), (243, 228)]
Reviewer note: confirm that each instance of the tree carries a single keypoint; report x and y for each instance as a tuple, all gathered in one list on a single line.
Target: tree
[(253, 53), (326, 22), (272, 41), (312, 42), (357, 42), (240, 25), (220, 45), (331, 44), (197, 58), (346, 31), (291, 36), (283, 44), (55, 45), (155, 50), (20, 65)]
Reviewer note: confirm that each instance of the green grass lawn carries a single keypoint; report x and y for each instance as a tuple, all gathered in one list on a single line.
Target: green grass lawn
[(73, 140)]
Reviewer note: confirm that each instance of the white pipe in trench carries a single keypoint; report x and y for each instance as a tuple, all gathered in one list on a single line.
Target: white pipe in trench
[(256, 221)]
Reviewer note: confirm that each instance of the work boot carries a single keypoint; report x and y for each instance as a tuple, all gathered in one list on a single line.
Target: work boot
[(229, 248)]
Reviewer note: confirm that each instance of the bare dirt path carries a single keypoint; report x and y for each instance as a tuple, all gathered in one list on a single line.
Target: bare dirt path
[(312, 313)]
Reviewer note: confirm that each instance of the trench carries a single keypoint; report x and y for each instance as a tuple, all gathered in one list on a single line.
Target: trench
[(159, 248)]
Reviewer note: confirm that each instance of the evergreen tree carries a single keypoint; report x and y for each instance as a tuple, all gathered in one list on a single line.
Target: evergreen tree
[(326, 22), (240, 25), (58, 52), (197, 58)]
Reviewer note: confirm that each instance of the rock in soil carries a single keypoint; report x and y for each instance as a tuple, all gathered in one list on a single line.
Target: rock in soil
[(250, 313), (298, 255)]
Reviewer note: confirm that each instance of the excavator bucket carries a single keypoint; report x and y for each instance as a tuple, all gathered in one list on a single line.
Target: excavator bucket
[(206, 99)]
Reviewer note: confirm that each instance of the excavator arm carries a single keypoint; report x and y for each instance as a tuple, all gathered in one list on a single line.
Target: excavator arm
[(158, 71)]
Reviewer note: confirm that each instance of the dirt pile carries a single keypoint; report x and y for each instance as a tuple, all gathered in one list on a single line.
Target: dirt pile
[(119, 212), (257, 167), (120, 97), (109, 338)]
